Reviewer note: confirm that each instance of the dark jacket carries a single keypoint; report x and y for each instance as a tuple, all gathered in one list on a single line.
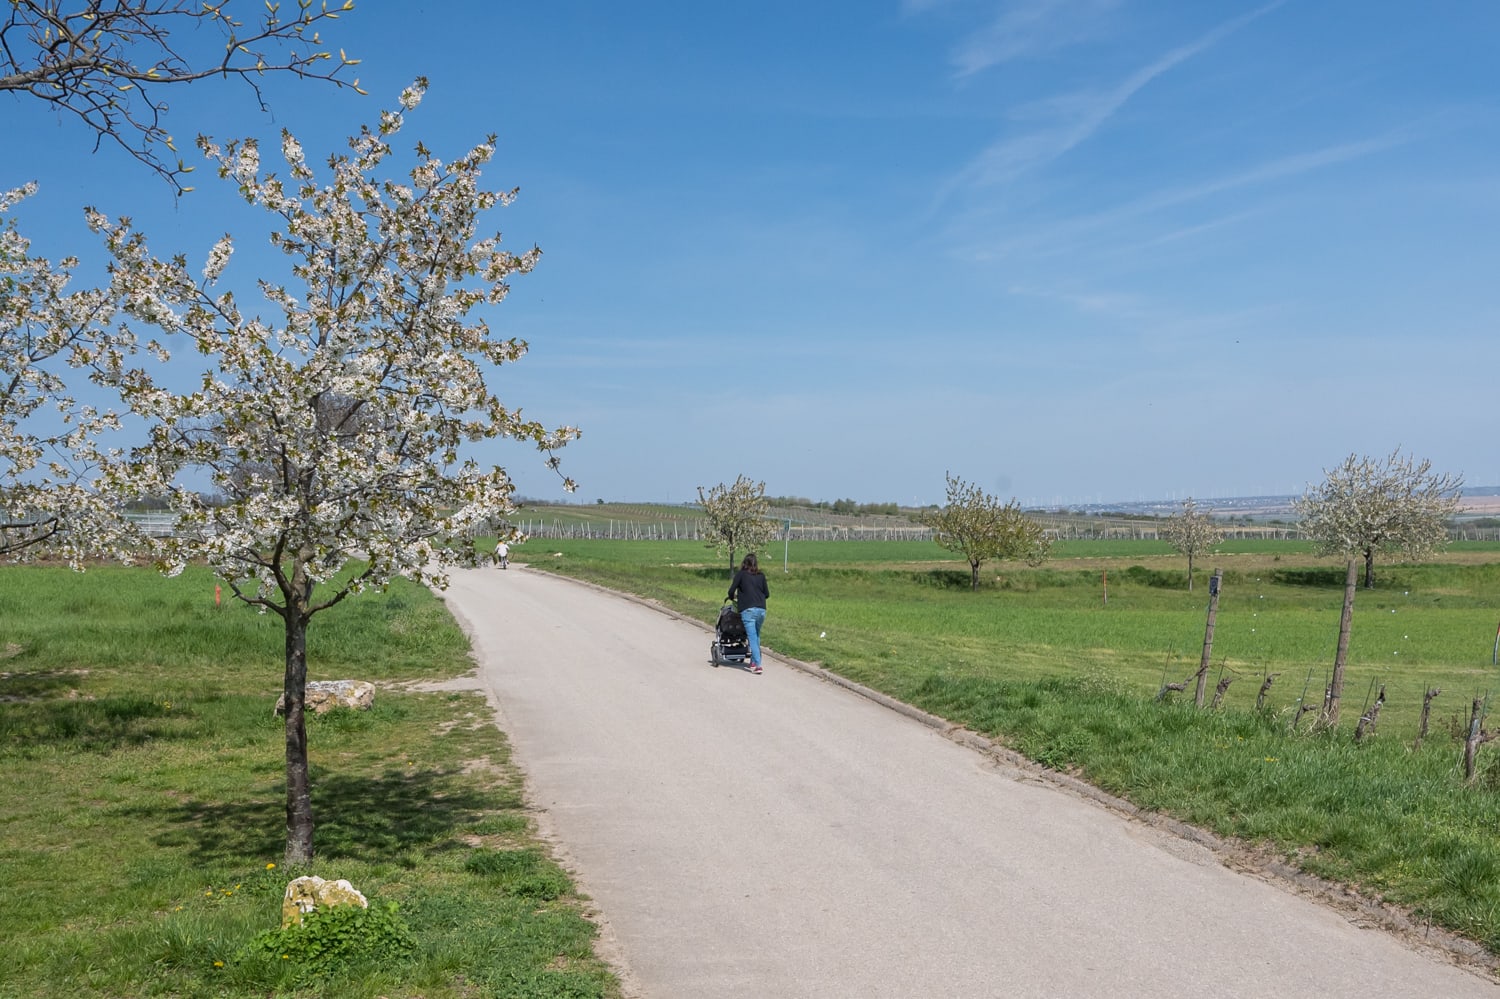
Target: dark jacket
[(749, 589)]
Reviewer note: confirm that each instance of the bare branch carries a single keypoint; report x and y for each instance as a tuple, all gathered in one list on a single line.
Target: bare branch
[(107, 63)]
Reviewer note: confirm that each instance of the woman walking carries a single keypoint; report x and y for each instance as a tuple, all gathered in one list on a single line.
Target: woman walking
[(749, 590)]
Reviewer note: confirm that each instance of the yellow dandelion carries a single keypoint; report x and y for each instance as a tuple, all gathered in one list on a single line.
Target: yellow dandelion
[(269, 866), (218, 964)]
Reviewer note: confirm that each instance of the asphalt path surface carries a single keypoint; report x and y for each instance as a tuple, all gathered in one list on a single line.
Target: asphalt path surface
[(780, 836)]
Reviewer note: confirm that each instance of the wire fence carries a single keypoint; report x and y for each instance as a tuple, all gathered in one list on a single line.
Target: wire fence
[(161, 524)]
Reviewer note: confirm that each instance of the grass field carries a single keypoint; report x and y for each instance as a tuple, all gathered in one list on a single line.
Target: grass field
[(1038, 660), (142, 770)]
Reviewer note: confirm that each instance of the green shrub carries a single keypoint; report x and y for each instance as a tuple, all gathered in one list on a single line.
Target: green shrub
[(328, 938)]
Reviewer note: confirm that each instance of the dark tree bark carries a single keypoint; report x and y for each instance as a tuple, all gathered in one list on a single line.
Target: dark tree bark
[(297, 610), (299, 816)]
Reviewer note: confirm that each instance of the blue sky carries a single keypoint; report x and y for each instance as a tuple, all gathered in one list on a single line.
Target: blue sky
[(1071, 250)]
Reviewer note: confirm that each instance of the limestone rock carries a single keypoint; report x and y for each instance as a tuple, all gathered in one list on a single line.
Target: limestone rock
[(325, 695), (309, 894)]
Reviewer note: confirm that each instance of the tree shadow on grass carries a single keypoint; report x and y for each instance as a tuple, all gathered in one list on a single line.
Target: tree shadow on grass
[(1316, 577), (90, 726), (368, 818), (945, 579), (31, 685)]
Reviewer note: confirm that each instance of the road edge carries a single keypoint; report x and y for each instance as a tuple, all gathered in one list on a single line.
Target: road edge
[(609, 948)]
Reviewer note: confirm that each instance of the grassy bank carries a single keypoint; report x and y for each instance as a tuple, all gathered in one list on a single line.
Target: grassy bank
[(144, 821), (1038, 660)]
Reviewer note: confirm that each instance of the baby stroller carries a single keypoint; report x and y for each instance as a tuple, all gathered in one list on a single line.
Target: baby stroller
[(731, 644)]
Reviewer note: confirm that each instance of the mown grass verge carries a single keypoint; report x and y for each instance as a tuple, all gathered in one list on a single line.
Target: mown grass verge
[(1038, 661), (141, 842)]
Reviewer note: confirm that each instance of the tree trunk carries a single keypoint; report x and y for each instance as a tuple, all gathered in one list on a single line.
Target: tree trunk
[(1369, 568), (1190, 570), (299, 817), (973, 576), (1336, 685)]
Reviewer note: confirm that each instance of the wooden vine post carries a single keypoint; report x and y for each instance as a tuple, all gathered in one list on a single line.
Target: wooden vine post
[(1208, 636), (1477, 737), (1335, 690)]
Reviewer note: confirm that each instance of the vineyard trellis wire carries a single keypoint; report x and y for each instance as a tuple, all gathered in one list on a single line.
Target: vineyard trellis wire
[(689, 528)]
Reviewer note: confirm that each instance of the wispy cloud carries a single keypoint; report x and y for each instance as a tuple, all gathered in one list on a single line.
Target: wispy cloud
[(1078, 116), (1068, 235), (1025, 30)]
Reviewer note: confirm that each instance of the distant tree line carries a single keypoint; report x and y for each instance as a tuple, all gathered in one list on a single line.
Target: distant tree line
[(844, 507)]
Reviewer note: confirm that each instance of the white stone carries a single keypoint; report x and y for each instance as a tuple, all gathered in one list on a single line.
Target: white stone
[(320, 696), (309, 894)]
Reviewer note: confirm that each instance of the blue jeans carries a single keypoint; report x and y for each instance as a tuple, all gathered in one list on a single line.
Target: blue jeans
[(753, 617)]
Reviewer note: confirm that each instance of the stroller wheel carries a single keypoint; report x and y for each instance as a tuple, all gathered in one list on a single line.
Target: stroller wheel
[(713, 654)]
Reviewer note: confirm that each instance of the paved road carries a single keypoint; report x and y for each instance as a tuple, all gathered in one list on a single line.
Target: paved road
[(777, 836)]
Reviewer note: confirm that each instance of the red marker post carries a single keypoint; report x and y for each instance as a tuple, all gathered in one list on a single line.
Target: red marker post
[(216, 594)]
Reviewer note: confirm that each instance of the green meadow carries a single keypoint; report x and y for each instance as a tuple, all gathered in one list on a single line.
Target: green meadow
[(893, 612), (143, 774)]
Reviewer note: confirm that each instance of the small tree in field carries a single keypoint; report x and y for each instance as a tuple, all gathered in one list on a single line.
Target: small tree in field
[(1192, 531), (979, 527), (1367, 506), (737, 517), (107, 63), (334, 430)]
